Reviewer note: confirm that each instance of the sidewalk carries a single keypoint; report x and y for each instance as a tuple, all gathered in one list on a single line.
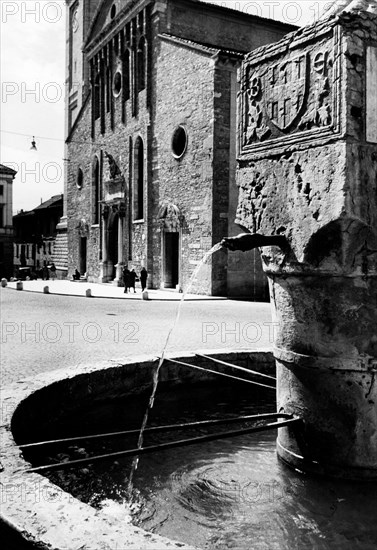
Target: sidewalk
[(98, 290)]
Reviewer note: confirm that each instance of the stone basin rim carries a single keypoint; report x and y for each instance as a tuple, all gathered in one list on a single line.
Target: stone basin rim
[(45, 514)]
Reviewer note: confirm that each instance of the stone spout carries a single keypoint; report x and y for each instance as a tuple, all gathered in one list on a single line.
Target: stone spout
[(249, 241)]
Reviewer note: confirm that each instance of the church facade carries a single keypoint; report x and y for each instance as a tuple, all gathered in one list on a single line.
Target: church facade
[(151, 141)]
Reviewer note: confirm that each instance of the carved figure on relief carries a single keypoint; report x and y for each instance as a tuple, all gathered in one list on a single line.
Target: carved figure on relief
[(319, 113), (256, 129), (113, 167)]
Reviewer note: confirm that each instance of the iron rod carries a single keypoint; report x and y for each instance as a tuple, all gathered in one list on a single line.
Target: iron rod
[(164, 446), (157, 429), (220, 374), (236, 367)]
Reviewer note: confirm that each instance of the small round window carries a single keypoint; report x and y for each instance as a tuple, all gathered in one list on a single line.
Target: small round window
[(80, 178), (179, 142), (117, 83), (113, 11)]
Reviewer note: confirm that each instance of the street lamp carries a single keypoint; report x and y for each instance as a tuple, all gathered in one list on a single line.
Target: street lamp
[(33, 145)]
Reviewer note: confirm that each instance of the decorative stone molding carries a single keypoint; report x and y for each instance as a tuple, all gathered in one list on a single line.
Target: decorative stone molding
[(170, 217), (292, 100), (115, 186), (114, 208), (83, 228)]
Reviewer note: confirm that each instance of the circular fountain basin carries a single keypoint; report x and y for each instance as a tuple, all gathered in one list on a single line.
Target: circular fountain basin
[(36, 511)]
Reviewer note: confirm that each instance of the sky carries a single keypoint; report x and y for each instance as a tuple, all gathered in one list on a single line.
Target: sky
[(32, 74)]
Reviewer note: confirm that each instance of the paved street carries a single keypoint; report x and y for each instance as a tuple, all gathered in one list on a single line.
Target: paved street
[(45, 332)]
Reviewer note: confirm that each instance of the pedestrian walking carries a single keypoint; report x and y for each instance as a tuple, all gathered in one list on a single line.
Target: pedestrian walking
[(53, 271), (45, 275), (143, 278), (132, 279), (126, 279)]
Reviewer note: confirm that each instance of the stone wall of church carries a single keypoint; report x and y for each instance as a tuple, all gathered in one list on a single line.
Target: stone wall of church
[(116, 135), (184, 89), (224, 113), (120, 144), (204, 23), (79, 197), (184, 80)]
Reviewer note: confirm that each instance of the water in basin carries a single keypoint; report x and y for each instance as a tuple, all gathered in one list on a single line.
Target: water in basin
[(225, 494)]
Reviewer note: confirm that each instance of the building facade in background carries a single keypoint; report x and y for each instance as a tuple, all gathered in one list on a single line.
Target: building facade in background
[(151, 141), (7, 176), (35, 235)]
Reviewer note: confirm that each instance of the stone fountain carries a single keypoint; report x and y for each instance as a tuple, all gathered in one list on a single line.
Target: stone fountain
[(308, 197)]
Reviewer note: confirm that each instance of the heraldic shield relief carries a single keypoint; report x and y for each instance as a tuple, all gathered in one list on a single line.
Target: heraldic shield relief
[(286, 91), (288, 96)]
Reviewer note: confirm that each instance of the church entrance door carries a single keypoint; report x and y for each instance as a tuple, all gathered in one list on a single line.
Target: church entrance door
[(171, 259)]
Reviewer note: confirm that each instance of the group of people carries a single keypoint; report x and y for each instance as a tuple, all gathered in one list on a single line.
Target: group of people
[(48, 271), (130, 278)]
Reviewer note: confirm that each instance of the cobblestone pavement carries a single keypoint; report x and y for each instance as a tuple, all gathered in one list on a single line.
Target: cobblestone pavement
[(46, 332)]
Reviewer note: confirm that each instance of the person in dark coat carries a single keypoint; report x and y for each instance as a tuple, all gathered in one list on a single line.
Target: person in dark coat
[(132, 279), (53, 271), (45, 274), (126, 279), (143, 278)]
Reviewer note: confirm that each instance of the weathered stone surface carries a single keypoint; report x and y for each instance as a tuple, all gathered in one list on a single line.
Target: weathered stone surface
[(309, 173)]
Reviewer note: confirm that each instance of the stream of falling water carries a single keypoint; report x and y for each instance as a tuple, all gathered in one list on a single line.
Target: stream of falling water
[(156, 373)]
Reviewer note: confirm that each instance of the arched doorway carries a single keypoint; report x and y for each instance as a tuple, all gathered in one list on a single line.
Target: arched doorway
[(171, 259), (170, 220)]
